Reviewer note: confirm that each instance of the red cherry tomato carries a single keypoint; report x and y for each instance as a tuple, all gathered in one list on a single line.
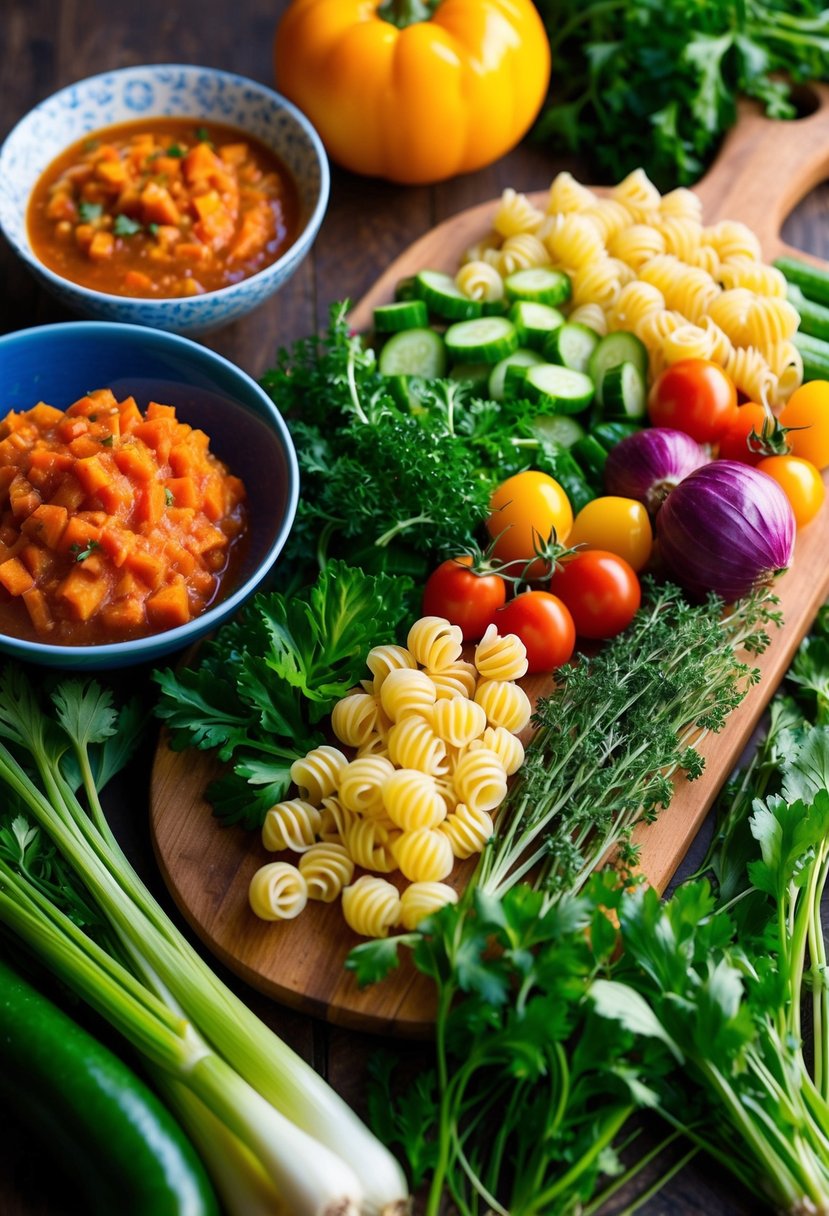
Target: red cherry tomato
[(466, 599), (734, 440), (695, 396), (544, 625), (601, 590)]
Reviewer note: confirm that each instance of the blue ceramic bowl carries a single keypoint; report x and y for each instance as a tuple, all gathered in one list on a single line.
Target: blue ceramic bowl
[(177, 90), (59, 363)]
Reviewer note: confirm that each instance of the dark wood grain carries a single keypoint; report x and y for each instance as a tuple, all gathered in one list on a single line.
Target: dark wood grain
[(46, 44)]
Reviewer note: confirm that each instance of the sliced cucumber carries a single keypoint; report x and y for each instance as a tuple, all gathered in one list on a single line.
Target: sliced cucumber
[(495, 308), (541, 284), (444, 298), (561, 389), (403, 314), (519, 358), (534, 322), (624, 392), (558, 428), (476, 374), (486, 338), (413, 352), (571, 345), (405, 289), (591, 457), (611, 433), (613, 349)]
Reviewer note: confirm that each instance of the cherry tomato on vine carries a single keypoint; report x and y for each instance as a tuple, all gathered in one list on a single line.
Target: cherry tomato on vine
[(620, 525), (601, 590), (525, 509), (808, 408), (733, 443), (454, 591), (544, 625), (800, 481), (695, 396)]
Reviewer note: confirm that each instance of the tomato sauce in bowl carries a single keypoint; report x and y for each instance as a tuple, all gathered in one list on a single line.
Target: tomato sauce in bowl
[(163, 208)]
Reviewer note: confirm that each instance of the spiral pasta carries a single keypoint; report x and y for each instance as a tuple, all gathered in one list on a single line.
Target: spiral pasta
[(412, 800), (381, 660), (371, 906), (459, 680), (371, 845), (424, 855), (457, 721), (435, 643), (504, 704), (480, 281), (317, 773), (290, 825), (467, 830), (277, 891), (407, 692), (480, 779), (422, 899), (334, 821), (516, 214), (414, 744), (500, 657), (361, 785), (567, 194), (354, 719), (507, 747), (326, 868)]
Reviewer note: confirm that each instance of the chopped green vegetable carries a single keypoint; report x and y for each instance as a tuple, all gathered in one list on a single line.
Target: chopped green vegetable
[(124, 226), (642, 83), (89, 212), (174, 150), (83, 552)]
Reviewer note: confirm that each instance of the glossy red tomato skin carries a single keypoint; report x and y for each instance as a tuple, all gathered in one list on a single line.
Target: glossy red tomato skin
[(544, 625), (695, 396), (601, 590), (466, 599), (733, 444)]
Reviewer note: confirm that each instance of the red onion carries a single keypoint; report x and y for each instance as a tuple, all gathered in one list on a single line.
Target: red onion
[(726, 528), (650, 463)]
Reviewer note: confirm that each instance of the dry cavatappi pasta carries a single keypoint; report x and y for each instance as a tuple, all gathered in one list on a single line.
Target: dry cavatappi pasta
[(430, 740), (643, 261)]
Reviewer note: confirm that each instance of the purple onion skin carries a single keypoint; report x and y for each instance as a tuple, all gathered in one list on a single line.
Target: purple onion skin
[(648, 465), (726, 528)]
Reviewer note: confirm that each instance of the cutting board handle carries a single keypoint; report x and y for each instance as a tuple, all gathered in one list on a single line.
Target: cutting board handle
[(766, 166)]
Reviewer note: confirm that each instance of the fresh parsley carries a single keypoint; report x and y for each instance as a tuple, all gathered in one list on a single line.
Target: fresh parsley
[(264, 684), (655, 83), (175, 150), (125, 226), (89, 212), (82, 552)]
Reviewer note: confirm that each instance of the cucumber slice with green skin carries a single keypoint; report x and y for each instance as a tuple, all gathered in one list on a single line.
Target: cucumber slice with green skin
[(560, 389), (534, 322), (540, 284), (613, 349), (495, 308), (403, 314), (624, 392), (497, 377), (611, 433), (413, 352), (405, 289), (571, 345), (444, 298), (558, 428), (486, 338), (591, 456), (476, 374)]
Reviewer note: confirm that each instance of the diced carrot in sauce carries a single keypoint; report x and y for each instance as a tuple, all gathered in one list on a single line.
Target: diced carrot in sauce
[(78, 535), (23, 498), (111, 171), (138, 282), (158, 205), (135, 462), (183, 489), (37, 560), (47, 524), (146, 566), (15, 577), (169, 606), (102, 245), (81, 594), (43, 415), (69, 493), (124, 616), (130, 415), (38, 609), (91, 473)]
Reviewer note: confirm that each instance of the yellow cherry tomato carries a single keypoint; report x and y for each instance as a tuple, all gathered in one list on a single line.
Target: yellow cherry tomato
[(808, 410), (414, 92), (620, 525), (800, 481), (525, 510)]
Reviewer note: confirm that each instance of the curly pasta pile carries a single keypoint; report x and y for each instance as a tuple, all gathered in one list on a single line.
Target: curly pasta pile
[(646, 262), (433, 739)]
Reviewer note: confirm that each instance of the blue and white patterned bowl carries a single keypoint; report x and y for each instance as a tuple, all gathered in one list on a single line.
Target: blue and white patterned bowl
[(175, 90)]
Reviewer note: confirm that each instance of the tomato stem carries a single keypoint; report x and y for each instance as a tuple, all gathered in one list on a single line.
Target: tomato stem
[(406, 12)]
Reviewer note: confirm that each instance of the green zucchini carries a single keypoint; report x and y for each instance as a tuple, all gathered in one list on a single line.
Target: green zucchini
[(122, 1147)]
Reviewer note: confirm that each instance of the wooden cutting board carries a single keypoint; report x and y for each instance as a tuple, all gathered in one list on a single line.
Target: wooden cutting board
[(762, 172)]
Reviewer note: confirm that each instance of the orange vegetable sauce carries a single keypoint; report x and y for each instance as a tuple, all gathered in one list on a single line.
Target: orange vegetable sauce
[(113, 524), (164, 207)]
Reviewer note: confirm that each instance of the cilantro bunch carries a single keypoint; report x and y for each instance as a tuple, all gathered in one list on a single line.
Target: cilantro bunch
[(655, 83)]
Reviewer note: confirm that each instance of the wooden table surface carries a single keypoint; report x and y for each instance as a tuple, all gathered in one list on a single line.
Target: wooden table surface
[(47, 44)]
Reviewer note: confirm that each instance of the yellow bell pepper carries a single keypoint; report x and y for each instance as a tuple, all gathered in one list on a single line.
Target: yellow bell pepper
[(410, 90)]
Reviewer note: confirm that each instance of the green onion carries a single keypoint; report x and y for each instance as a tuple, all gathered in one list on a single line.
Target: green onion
[(231, 1078)]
